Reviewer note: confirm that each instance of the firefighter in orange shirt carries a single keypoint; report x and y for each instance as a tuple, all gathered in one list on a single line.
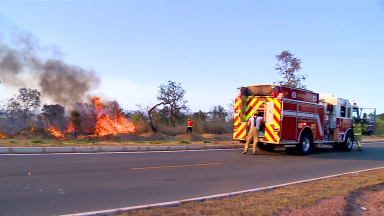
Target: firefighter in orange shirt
[(189, 126)]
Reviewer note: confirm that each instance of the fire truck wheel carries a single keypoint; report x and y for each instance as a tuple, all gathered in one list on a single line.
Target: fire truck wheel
[(348, 143), (304, 147)]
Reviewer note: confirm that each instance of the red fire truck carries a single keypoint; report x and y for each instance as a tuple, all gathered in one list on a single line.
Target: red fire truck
[(299, 119)]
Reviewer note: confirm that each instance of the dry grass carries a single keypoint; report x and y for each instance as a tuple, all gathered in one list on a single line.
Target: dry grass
[(145, 139), (272, 202)]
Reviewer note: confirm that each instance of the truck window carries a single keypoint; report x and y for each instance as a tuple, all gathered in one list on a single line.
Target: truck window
[(349, 114), (356, 113), (343, 111)]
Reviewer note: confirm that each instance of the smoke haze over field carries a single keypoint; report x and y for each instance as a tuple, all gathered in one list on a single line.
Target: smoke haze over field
[(24, 63)]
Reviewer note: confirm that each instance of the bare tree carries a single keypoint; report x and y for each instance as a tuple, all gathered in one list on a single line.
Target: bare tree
[(76, 121), (218, 114), (29, 98), (56, 115), (17, 110), (288, 66), (171, 96), (231, 107), (150, 111)]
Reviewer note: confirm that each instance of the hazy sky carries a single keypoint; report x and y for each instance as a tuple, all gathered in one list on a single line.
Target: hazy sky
[(211, 47)]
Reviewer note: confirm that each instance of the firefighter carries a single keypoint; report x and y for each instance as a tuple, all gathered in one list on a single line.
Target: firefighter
[(358, 133), (254, 126), (189, 126)]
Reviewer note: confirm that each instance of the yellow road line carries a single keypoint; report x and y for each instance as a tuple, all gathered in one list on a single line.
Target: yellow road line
[(188, 165)]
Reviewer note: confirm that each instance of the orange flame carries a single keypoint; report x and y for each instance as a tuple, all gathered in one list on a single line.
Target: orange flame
[(32, 129), (106, 126), (2, 136), (55, 133), (70, 128)]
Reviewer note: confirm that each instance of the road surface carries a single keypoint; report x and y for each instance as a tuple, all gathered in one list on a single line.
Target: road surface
[(56, 184)]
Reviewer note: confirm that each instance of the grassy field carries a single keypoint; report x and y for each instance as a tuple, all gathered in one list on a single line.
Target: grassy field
[(158, 139), (273, 202)]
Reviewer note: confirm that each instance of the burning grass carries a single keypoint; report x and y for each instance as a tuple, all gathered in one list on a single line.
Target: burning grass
[(279, 201), (107, 126)]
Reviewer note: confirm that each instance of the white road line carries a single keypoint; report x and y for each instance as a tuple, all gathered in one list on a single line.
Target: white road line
[(179, 202)]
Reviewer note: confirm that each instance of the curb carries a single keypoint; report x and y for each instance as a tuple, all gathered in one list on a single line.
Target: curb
[(204, 198), (43, 150)]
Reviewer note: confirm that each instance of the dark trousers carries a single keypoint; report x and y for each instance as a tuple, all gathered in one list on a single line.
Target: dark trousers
[(189, 129)]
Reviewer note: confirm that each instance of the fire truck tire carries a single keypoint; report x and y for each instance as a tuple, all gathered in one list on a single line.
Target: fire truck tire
[(348, 143), (304, 147)]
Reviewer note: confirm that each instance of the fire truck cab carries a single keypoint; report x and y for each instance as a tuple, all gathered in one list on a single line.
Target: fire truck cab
[(298, 119)]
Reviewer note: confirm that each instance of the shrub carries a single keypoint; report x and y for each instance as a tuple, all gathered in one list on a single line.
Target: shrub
[(142, 126), (36, 141)]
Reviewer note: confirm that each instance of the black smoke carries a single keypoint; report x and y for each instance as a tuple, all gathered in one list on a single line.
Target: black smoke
[(25, 63)]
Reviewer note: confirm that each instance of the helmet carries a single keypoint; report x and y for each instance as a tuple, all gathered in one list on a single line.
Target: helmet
[(256, 112)]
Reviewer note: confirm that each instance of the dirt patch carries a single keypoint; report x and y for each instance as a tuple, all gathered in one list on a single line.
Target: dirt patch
[(367, 201), (372, 199), (190, 137), (333, 206)]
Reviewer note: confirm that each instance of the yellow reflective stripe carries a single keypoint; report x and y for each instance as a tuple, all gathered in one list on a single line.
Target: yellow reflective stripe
[(237, 103), (276, 114), (277, 103), (256, 107), (252, 101), (239, 128), (276, 124), (242, 135), (238, 121), (269, 128)]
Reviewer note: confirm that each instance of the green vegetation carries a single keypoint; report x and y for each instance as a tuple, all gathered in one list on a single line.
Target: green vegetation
[(184, 142), (379, 124), (36, 141), (206, 141), (158, 141)]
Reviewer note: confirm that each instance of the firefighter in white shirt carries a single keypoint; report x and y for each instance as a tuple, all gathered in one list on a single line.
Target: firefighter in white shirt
[(254, 126)]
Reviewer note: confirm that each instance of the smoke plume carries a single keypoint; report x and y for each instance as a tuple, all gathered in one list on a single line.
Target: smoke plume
[(25, 63)]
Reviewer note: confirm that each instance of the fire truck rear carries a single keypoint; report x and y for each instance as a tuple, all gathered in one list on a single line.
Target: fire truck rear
[(299, 119)]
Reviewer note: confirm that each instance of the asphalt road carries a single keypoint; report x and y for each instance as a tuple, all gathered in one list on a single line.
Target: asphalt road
[(58, 184)]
